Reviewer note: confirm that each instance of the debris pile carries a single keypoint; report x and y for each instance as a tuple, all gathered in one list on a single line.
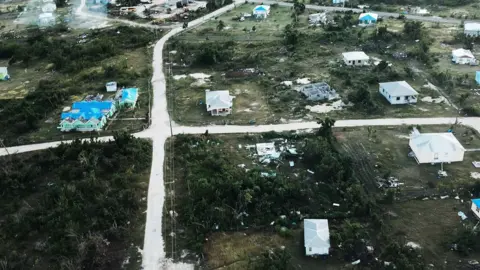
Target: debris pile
[(390, 182)]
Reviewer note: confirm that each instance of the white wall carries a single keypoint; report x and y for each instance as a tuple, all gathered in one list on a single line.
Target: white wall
[(463, 60), (357, 62), (310, 251), (401, 99), (471, 33)]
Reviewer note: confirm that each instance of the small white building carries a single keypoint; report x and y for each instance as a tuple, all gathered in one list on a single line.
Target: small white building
[(368, 18), (219, 103), (399, 92), (318, 18), (261, 11), (46, 19), (49, 7), (476, 207), (471, 29), (317, 236), (463, 57), (111, 86), (436, 147), (357, 58)]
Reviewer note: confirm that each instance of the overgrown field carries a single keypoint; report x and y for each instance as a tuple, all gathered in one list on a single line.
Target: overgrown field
[(77, 206), (54, 67), (226, 196), (258, 60)]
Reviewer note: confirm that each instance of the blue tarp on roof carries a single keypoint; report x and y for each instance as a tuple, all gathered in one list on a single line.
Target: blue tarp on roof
[(476, 202), (260, 8), (130, 95), (88, 109), (367, 17)]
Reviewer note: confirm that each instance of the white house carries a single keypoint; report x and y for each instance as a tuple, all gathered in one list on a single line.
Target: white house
[(398, 92), (436, 147), (355, 58), (46, 19), (318, 18), (471, 29), (317, 236), (49, 7), (463, 57), (261, 11), (219, 103), (111, 86), (476, 207)]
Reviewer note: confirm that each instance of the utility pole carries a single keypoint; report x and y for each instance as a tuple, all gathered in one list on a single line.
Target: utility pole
[(3, 145)]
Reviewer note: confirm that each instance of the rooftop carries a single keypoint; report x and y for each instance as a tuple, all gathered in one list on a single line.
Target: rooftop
[(462, 53), (129, 95), (368, 14), (476, 202), (472, 26), (399, 88), (318, 91), (357, 55), (219, 99), (436, 142), (316, 234), (87, 110)]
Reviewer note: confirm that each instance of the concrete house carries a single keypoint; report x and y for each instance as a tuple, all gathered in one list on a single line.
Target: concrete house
[(111, 86), (476, 207), (318, 91), (471, 29), (436, 147), (261, 11), (87, 116), (463, 57), (219, 103), (129, 98), (399, 92), (4, 76), (357, 58), (367, 18), (317, 237)]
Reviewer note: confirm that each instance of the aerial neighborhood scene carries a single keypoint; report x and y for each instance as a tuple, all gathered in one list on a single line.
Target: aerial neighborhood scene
[(249, 134)]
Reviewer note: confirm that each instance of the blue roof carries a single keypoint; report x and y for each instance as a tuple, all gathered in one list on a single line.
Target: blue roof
[(87, 110), (476, 202), (260, 8), (367, 17), (130, 94)]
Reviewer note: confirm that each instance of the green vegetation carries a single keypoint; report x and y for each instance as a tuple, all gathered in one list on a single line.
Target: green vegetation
[(77, 206), (75, 66)]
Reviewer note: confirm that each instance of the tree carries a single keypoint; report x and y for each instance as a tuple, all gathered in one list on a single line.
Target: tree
[(326, 127), (185, 25), (61, 3), (298, 7), (463, 97), (220, 25), (291, 36), (413, 30)]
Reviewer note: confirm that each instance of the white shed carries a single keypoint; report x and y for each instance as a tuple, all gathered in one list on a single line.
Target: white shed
[(471, 29), (111, 86), (436, 147), (398, 92), (463, 57), (357, 58), (317, 236)]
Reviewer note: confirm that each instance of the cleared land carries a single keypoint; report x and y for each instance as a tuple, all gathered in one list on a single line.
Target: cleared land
[(252, 60)]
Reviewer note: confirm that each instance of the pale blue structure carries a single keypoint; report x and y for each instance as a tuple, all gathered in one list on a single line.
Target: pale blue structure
[(477, 77), (338, 1), (368, 18)]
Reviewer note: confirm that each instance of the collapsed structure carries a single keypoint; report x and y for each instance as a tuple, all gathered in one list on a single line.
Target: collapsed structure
[(318, 91)]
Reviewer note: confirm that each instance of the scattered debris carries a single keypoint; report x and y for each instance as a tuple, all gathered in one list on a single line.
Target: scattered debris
[(476, 164), (336, 204), (413, 245), (462, 215), (241, 165), (356, 262), (303, 81), (268, 174), (310, 172), (444, 197), (370, 249), (325, 108), (475, 175), (442, 173), (291, 163), (265, 149), (400, 55), (429, 99), (390, 182), (287, 83)]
